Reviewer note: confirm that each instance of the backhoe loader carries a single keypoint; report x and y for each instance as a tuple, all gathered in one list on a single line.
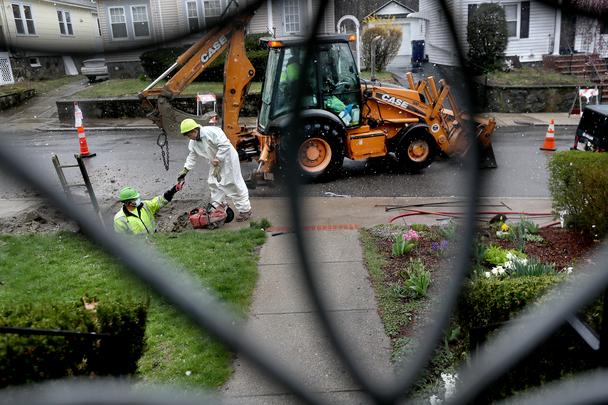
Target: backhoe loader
[(342, 114)]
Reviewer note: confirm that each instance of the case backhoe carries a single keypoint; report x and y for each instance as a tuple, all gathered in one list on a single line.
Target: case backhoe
[(342, 115)]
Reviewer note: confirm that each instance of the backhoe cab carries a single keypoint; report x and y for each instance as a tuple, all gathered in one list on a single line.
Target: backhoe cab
[(345, 116)]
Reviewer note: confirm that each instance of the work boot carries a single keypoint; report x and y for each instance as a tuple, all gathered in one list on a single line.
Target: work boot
[(244, 216)]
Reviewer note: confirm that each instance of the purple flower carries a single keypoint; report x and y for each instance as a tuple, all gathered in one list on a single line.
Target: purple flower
[(443, 245)]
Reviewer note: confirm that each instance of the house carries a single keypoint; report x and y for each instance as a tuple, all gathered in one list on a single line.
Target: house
[(41, 37), (534, 29), (591, 36), (129, 28), (411, 28)]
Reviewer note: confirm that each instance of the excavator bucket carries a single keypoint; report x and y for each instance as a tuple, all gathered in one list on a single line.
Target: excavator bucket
[(487, 160)]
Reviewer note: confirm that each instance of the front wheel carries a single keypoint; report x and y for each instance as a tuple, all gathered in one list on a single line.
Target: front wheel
[(416, 152)]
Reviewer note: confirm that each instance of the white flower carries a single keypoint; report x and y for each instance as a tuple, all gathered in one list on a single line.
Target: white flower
[(449, 381), (495, 271), (568, 270), (487, 274), (188, 373), (434, 400), (501, 270)]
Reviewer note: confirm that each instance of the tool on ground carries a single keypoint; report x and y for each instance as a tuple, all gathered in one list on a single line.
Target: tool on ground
[(211, 217), (354, 118), (67, 188), (549, 143)]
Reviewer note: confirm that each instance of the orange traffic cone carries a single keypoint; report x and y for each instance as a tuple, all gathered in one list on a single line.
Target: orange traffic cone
[(82, 140), (549, 143)]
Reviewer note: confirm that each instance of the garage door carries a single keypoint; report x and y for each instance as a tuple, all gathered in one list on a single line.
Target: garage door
[(406, 39)]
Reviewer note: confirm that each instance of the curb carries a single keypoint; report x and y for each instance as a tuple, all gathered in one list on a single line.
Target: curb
[(59, 129)]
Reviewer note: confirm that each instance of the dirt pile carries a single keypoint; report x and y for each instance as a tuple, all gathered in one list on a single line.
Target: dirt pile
[(43, 219)]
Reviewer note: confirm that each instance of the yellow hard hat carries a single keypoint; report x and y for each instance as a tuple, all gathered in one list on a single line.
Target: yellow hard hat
[(187, 125)]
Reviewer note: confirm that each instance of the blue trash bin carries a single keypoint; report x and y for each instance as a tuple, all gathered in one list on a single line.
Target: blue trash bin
[(417, 52)]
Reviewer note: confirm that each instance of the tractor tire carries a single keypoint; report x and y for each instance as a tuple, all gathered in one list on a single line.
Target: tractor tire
[(416, 151), (320, 153)]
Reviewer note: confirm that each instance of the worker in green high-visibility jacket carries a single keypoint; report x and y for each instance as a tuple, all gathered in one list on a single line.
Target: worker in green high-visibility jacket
[(136, 217)]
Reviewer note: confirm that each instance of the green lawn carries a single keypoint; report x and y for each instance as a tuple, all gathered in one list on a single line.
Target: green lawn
[(64, 266), (131, 87), (383, 76), (41, 86)]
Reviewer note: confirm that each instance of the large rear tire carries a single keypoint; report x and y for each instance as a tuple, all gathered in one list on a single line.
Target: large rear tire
[(320, 153), (416, 151)]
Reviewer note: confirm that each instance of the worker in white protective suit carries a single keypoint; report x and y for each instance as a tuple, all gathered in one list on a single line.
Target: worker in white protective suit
[(225, 178)]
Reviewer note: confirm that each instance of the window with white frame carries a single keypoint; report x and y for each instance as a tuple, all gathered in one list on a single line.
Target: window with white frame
[(291, 16), (141, 26), (24, 22), (213, 8), (511, 11), (65, 22), (118, 22), (192, 13)]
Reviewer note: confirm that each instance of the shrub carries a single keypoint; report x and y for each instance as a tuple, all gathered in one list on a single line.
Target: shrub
[(30, 358), (487, 37), (486, 303), (157, 61), (386, 48), (578, 182)]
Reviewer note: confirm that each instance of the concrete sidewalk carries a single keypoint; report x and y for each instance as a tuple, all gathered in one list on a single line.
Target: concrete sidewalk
[(283, 317)]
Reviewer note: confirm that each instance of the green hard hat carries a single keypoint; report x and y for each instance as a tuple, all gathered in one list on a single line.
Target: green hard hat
[(187, 125), (128, 193)]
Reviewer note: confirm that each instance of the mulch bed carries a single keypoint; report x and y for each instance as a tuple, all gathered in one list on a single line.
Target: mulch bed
[(562, 247)]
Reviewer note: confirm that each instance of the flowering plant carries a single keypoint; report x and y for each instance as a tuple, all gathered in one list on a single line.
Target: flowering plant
[(403, 244)]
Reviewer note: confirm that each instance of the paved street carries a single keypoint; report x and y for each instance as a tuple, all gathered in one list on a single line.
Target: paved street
[(133, 158)]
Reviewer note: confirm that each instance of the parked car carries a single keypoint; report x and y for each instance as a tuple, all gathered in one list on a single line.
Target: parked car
[(95, 69), (592, 131)]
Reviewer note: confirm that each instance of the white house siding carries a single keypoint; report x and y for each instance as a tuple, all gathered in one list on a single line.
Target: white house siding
[(329, 18), (259, 22), (531, 49), (48, 38), (439, 44), (540, 40)]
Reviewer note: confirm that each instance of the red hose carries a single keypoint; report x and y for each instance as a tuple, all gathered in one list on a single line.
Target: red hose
[(459, 214)]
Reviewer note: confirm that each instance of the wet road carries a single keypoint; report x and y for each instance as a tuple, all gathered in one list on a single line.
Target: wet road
[(133, 158)]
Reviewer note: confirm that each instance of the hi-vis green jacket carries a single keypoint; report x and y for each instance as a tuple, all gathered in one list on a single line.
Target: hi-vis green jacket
[(141, 221)]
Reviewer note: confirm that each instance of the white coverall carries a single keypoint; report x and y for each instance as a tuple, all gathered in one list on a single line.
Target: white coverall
[(214, 144)]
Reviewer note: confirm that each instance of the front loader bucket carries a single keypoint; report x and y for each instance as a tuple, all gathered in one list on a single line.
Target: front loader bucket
[(487, 160)]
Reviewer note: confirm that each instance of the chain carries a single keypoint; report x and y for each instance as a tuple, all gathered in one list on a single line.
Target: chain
[(164, 144)]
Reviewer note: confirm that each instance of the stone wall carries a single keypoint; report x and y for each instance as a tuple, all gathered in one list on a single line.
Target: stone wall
[(529, 99), (125, 70), (130, 107), (14, 99), (51, 67)]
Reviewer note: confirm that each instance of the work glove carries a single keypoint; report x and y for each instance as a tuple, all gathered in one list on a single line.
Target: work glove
[(171, 192), (182, 175)]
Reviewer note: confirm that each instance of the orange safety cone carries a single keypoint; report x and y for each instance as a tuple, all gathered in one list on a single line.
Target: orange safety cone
[(82, 140), (549, 143)]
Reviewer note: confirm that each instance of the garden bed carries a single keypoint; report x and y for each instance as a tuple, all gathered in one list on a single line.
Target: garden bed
[(405, 303)]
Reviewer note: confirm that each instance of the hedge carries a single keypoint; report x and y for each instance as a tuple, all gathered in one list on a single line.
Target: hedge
[(489, 302), (32, 358), (158, 61), (578, 182)]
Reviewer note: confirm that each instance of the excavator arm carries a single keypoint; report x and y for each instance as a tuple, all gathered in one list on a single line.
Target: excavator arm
[(238, 74)]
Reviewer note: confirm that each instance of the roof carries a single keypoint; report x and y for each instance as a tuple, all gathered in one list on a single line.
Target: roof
[(406, 9)]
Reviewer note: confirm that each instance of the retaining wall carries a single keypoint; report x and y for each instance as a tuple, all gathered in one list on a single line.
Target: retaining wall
[(14, 99), (130, 107)]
